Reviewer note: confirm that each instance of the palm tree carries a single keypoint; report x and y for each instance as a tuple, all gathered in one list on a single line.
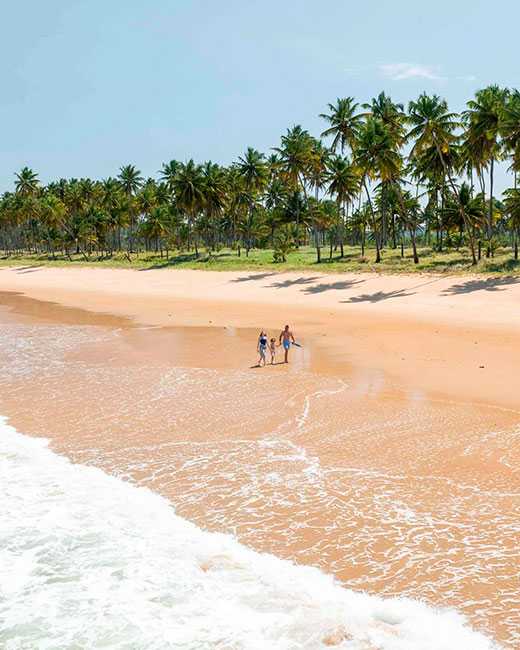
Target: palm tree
[(431, 124), (189, 186), (344, 123), (52, 214), (376, 156), (295, 154), (145, 202), (156, 225), (131, 180), (215, 196), (390, 114), (113, 203), (168, 173), (483, 119), (433, 128), (510, 129), (408, 207), (27, 182), (253, 169), (343, 183), (512, 206), (393, 117), (321, 216)]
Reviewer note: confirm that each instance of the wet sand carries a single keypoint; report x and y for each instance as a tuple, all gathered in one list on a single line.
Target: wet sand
[(383, 453)]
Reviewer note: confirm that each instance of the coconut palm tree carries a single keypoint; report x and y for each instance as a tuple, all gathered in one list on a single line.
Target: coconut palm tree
[(27, 182), (114, 205), (377, 158), (343, 182), (512, 207), (390, 114), (189, 188), (393, 117), (295, 155), (431, 123), (344, 124), (433, 127), (131, 180), (320, 217), (168, 172), (145, 201), (52, 214), (483, 120), (215, 197), (253, 169), (510, 129)]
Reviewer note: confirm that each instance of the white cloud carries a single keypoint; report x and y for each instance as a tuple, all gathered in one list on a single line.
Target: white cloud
[(402, 71)]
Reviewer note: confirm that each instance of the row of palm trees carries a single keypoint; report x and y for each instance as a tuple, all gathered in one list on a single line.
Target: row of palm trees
[(378, 176)]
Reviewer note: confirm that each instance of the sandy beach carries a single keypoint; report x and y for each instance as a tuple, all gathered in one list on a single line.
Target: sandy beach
[(385, 453)]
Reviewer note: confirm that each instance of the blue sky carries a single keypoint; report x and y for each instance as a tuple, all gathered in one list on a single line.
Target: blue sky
[(90, 85)]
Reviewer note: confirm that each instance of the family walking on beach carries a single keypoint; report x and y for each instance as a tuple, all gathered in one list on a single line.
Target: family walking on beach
[(285, 339)]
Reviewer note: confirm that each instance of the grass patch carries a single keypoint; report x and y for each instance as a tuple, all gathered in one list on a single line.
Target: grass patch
[(304, 259)]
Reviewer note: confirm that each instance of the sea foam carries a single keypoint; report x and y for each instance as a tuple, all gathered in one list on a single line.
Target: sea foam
[(90, 561)]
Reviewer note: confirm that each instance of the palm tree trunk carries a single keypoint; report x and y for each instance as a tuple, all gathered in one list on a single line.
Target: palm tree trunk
[(378, 253), (317, 244), (414, 245), (490, 213)]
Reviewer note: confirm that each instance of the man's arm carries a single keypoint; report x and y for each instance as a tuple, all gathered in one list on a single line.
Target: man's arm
[(292, 337), (280, 338)]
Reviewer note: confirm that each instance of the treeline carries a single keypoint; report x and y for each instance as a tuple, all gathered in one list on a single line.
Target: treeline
[(379, 175)]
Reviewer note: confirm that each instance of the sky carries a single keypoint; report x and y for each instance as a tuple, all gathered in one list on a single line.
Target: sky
[(90, 85)]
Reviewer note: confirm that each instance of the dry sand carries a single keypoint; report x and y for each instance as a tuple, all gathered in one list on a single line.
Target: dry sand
[(386, 452)]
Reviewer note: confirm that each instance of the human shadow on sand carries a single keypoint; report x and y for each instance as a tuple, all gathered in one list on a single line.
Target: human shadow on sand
[(486, 284), (276, 363), (331, 286)]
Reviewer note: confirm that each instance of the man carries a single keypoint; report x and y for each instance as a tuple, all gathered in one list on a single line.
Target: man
[(285, 339)]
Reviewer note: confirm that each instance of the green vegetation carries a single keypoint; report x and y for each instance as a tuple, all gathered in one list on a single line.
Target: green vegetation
[(382, 188), (450, 261)]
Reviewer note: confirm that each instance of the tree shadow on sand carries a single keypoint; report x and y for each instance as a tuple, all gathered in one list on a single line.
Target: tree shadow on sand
[(284, 284), (486, 284), (253, 276), (379, 296), (331, 286), (29, 269)]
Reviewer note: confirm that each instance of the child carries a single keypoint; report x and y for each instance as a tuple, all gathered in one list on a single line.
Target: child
[(262, 347), (272, 350)]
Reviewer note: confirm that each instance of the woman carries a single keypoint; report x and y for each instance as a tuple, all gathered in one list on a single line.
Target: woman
[(262, 348)]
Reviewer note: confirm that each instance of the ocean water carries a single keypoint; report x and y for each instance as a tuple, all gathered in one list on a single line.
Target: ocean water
[(90, 561)]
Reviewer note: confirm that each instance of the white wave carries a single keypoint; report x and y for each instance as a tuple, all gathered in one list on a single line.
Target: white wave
[(89, 561)]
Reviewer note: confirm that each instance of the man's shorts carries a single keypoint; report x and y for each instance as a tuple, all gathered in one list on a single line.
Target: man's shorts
[(286, 344)]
